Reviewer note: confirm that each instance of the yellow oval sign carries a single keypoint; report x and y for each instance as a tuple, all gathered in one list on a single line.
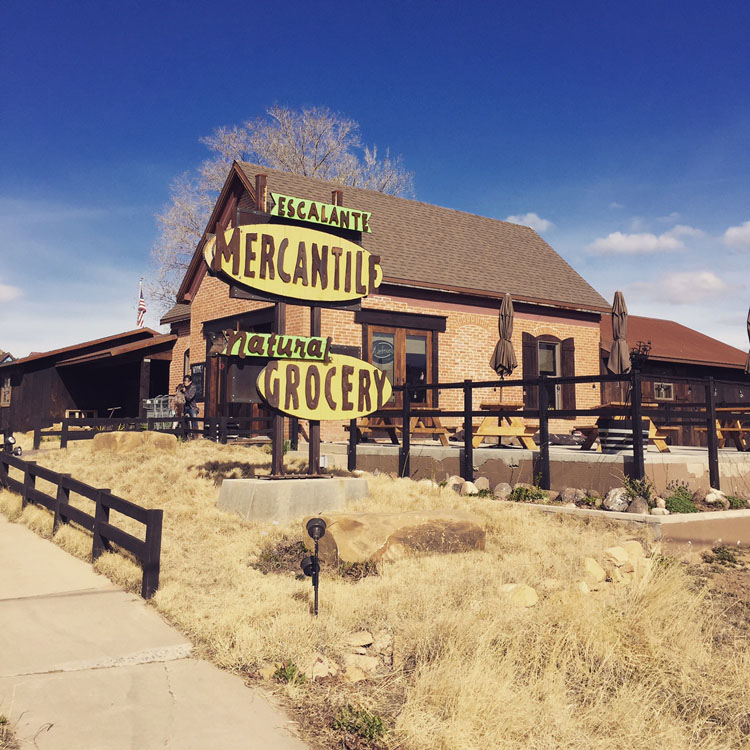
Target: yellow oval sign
[(295, 262), (343, 388)]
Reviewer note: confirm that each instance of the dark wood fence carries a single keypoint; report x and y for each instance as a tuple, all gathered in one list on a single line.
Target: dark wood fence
[(219, 429), (701, 413), (147, 551)]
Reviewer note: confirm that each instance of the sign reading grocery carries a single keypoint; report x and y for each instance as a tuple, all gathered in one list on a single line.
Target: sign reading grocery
[(244, 344), (289, 207), (296, 262), (343, 388)]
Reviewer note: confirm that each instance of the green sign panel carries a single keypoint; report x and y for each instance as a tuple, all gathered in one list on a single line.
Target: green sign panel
[(289, 207), (276, 346)]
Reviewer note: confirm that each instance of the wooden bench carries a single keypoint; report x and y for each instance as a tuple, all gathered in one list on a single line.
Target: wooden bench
[(505, 425), (730, 429), (656, 435), (419, 425)]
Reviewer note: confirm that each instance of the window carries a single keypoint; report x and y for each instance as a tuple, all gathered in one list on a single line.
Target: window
[(664, 391), (555, 358), (186, 363)]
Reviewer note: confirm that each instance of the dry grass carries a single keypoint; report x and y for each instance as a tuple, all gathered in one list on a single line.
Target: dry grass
[(636, 667)]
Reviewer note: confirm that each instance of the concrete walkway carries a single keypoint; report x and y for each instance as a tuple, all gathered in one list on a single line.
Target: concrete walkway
[(87, 666)]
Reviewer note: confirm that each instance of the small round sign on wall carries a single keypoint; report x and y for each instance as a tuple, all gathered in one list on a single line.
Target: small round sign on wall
[(382, 352)]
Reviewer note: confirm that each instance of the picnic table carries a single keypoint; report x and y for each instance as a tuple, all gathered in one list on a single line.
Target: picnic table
[(729, 426), (389, 420), (506, 424), (657, 434)]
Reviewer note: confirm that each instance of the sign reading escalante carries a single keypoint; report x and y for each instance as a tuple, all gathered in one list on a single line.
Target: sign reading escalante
[(294, 262)]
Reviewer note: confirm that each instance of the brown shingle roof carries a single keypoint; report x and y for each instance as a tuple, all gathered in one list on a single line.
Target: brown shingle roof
[(175, 314), (161, 341), (444, 248), (673, 342)]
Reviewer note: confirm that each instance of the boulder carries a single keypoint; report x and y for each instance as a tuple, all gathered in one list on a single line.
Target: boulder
[(428, 483), (368, 664), (638, 505), (572, 495), (616, 556), (361, 638), (581, 587), (616, 499), (322, 667), (362, 537), (520, 594), (593, 572), (634, 550), (718, 498), (354, 674), (660, 502), (502, 491), (455, 483), (482, 483), (469, 488), (124, 442), (659, 512)]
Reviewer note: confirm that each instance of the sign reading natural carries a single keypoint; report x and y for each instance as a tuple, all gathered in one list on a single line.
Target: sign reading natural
[(244, 344), (295, 262), (289, 207), (343, 388)]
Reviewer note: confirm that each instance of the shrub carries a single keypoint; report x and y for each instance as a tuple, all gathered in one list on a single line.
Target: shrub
[(721, 554), (289, 672), (522, 494), (736, 503), (681, 501), (640, 488), (359, 721)]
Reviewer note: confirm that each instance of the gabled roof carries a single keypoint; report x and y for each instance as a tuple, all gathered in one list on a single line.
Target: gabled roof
[(175, 314), (87, 347), (674, 342), (421, 245), (6, 356)]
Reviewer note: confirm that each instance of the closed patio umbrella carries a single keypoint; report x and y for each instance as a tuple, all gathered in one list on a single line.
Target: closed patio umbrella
[(619, 354), (503, 360), (747, 362)]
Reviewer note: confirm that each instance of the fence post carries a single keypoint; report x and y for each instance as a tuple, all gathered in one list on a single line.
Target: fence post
[(544, 472), (711, 440), (404, 462), (151, 561), (61, 498), (64, 434), (351, 450), (467, 468), (3, 471), (223, 429), (101, 515), (29, 481), (639, 467), (294, 434), (37, 437)]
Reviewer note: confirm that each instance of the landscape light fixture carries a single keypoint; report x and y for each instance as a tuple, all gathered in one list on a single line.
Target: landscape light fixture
[(316, 529), (9, 445)]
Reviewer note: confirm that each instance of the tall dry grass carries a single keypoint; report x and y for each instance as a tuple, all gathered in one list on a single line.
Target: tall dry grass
[(634, 667)]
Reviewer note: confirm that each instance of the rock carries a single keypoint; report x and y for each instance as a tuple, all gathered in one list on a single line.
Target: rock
[(359, 537), (593, 572), (716, 497), (267, 671), (660, 502), (659, 512), (455, 483), (428, 483), (700, 495), (569, 505), (469, 488), (482, 483), (502, 491), (382, 643), (360, 638), (572, 495), (398, 652), (617, 556), (368, 664), (323, 668), (634, 549), (616, 499), (581, 587), (520, 594), (359, 650), (124, 442), (621, 576), (638, 505), (552, 496), (354, 674), (359, 473)]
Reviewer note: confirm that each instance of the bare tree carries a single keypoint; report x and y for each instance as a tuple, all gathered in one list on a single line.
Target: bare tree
[(313, 141)]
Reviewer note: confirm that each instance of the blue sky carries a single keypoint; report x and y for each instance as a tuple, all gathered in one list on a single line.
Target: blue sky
[(620, 131)]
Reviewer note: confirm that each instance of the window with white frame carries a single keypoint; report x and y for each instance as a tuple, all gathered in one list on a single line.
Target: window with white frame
[(664, 391)]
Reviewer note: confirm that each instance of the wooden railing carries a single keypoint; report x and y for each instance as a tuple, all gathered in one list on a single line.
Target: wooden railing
[(700, 413), (147, 551)]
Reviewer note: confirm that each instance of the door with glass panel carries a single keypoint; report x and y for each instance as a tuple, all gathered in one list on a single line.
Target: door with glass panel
[(405, 355)]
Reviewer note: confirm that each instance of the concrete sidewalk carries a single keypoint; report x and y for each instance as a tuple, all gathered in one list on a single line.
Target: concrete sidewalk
[(87, 666)]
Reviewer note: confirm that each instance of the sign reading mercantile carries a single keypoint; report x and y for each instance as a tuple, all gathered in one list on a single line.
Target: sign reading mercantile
[(244, 344), (294, 262), (343, 388), (289, 207)]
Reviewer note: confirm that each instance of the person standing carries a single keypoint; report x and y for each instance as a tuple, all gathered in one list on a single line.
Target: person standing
[(191, 407)]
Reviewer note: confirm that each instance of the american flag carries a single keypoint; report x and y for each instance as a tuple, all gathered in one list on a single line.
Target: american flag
[(141, 305)]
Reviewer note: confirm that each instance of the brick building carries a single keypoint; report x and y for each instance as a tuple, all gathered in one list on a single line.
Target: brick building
[(433, 318)]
